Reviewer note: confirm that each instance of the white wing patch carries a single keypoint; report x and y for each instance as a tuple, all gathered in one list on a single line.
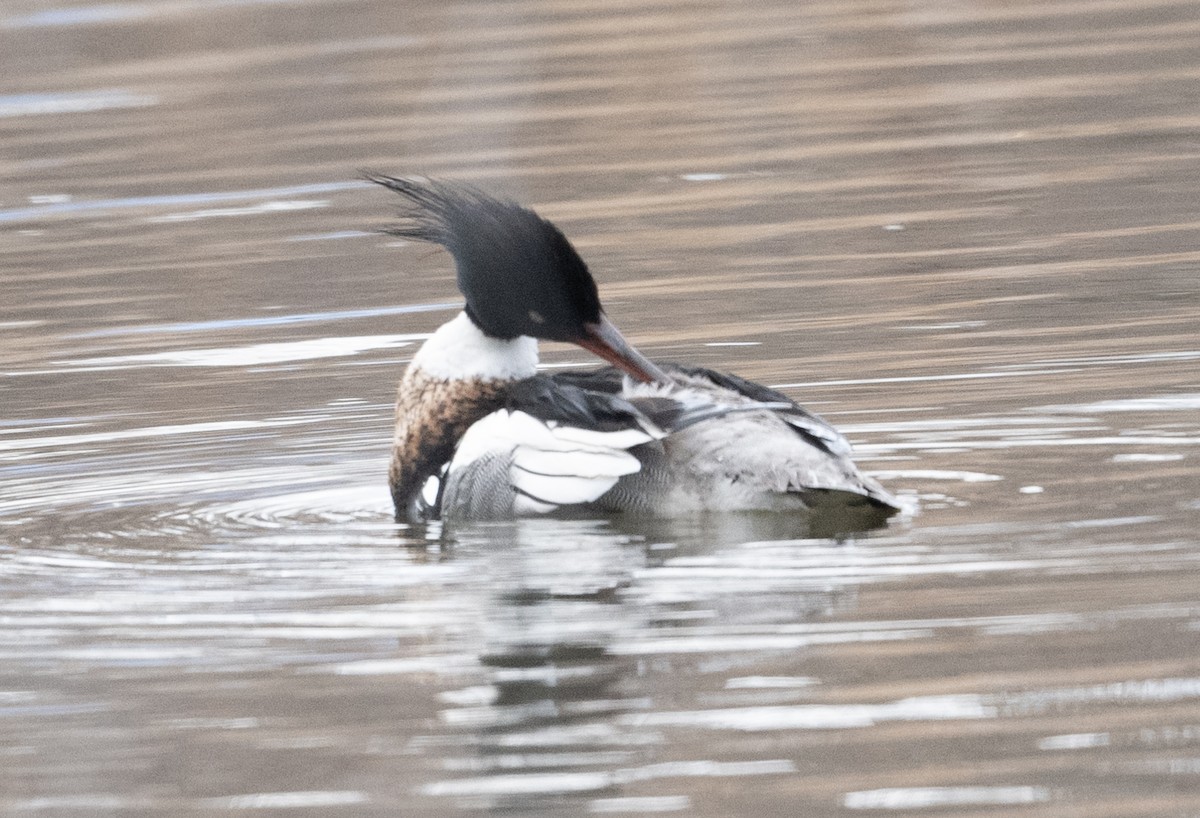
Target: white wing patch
[(551, 465), (431, 490), (623, 439)]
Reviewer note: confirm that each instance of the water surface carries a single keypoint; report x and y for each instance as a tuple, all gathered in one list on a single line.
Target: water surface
[(965, 232)]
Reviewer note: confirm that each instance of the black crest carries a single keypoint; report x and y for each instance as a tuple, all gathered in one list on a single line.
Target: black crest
[(518, 272)]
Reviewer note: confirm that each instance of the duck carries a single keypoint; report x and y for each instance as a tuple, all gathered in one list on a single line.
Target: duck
[(481, 434)]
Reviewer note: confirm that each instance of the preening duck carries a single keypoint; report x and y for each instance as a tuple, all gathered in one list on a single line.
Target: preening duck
[(481, 435)]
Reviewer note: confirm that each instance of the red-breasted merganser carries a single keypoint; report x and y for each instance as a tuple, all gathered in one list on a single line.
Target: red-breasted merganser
[(481, 435)]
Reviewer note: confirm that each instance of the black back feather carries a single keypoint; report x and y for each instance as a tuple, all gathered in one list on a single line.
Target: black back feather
[(519, 273), (547, 399), (812, 427)]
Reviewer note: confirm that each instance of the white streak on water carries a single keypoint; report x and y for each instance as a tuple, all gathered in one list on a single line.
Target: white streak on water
[(909, 798), (707, 769), (1074, 741), (1138, 691), (759, 682), (441, 664), (965, 376), (289, 800), (935, 474), (104, 13), (172, 200), (1133, 358), (1021, 424), (544, 783), (251, 355), (1063, 367), (338, 234), (1162, 767), (531, 784), (1114, 522), (270, 320), (1159, 403), (536, 761), (726, 574), (72, 102), (53, 441), (726, 643), (274, 206), (821, 716), (967, 445), (83, 804)]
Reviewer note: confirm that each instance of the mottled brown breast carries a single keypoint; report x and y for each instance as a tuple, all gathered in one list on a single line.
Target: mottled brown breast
[(432, 414)]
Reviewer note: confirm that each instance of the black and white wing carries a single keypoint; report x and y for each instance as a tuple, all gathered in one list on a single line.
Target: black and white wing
[(766, 448), (809, 425), (812, 427), (553, 445)]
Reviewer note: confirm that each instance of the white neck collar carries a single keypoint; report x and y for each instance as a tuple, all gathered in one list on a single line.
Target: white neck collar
[(459, 350)]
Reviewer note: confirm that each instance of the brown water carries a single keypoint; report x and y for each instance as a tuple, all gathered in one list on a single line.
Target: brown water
[(966, 232)]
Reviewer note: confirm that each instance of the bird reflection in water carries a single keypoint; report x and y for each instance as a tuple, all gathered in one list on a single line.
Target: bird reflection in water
[(545, 727), (566, 608)]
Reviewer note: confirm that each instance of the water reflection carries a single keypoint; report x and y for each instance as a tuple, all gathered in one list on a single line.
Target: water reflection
[(574, 642), (597, 649), (544, 725), (581, 623)]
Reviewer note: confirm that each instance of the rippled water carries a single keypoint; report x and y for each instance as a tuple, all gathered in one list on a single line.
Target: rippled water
[(965, 232)]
